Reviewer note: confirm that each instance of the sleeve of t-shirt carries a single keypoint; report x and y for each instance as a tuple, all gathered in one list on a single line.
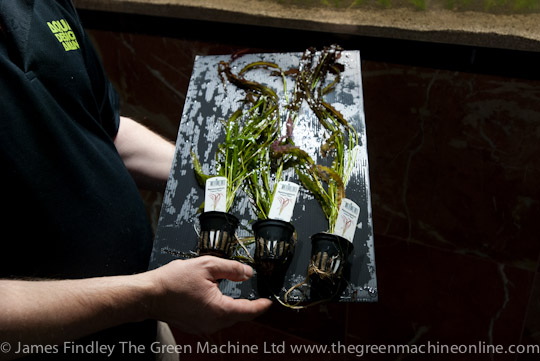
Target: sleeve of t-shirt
[(106, 96), (114, 101)]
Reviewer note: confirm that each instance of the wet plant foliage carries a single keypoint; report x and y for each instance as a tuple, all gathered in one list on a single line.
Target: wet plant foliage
[(259, 144)]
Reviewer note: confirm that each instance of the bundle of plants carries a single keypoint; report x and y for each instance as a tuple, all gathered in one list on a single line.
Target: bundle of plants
[(317, 75), (233, 160), (272, 199)]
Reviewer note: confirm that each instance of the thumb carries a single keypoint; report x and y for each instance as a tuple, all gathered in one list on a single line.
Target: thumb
[(219, 268)]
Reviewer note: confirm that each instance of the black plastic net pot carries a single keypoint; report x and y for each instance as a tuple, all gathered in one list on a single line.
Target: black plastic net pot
[(274, 244), (217, 235), (329, 254)]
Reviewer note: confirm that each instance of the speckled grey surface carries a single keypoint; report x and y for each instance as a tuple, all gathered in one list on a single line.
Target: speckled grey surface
[(208, 101)]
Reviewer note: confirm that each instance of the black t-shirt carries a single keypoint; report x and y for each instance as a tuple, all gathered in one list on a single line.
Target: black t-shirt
[(73, 210)]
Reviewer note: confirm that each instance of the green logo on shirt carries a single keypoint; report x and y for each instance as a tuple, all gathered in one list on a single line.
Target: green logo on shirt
[(64, 34)]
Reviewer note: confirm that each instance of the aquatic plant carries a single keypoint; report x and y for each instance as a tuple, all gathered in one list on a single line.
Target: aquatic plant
[(316, 76), (262, 119)]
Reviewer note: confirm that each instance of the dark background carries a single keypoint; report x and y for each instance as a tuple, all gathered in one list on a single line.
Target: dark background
[(454, 144)]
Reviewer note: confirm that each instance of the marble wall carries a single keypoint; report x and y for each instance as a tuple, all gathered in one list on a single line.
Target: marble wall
[(454, 144)]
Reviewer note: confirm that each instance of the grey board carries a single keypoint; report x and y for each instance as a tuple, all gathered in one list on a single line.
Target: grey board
[(210, 100)]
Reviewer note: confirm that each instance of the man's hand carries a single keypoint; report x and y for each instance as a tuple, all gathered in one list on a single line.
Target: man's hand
[(188, 297), (183, 293)]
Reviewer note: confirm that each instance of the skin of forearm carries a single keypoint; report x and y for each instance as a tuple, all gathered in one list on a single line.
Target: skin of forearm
[(50, 312), (183, 293), (147, 155)]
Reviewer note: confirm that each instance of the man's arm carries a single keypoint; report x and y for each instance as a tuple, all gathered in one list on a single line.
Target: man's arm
[(147, 156), (183, 293)]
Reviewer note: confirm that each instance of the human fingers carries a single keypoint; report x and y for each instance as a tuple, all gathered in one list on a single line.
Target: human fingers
[(244, 310), (233, 311), (219, 268)]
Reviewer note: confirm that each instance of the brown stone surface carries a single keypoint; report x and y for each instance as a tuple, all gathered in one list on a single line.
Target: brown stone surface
[(512, 31)]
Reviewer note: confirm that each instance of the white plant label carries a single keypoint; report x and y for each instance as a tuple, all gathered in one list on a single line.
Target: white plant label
[(284, 200), (347, 219), (215, 195)]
